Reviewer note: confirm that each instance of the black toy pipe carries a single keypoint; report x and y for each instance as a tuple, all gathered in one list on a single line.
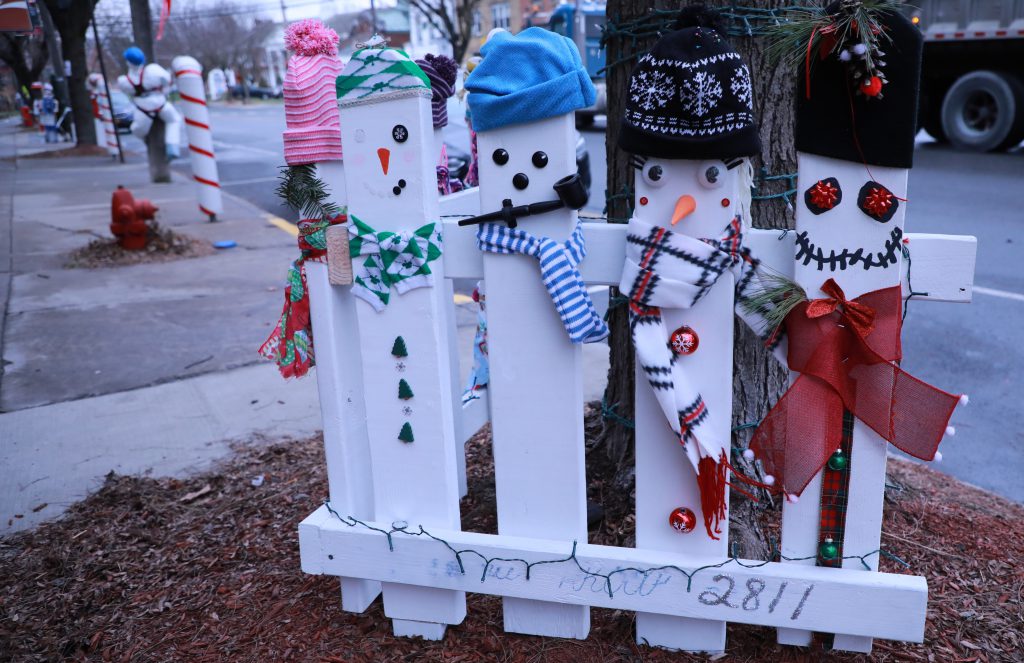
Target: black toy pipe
[(571, 194)]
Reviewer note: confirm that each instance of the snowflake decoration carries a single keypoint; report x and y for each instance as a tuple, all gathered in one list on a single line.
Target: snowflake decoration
[(701, 93), (407, 411), (651, 89), (740, 86), (400, 366)]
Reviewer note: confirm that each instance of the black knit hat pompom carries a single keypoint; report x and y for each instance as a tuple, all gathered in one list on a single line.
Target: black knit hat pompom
[(699, 16), (690, 96)]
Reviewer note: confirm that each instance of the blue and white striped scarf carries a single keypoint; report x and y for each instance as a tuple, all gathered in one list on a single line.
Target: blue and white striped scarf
[(558, 270)]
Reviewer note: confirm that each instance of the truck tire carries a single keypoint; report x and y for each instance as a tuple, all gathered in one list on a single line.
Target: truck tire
[(929, 114), (584, 120), (984, 111)]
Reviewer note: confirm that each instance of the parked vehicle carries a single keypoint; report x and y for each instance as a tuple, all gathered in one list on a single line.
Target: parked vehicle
[(583, 27), (972, 81), (255, 92), (123, 111)]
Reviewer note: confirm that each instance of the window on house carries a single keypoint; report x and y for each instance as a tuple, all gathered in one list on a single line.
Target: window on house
[(478, 27), (500, 15)]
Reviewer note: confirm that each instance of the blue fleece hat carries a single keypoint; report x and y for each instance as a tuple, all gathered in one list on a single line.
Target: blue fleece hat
[(134, 55), (523, 78)]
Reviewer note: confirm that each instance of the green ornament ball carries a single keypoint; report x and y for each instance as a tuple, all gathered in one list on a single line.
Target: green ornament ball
[(828, 550), (838, 461)]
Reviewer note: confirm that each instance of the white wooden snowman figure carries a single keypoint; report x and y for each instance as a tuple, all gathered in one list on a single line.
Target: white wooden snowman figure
[(395, 244), (148, 86), (690, 127), (826, 440), (522, 97)]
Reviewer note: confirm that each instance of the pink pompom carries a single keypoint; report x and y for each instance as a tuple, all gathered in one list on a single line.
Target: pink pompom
[(311, 37)]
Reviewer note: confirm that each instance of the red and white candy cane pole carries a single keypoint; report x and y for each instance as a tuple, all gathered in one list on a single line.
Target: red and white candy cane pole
[(105, 133), (189, 74)]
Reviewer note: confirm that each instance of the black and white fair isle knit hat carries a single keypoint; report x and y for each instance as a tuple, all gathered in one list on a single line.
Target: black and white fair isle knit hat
[(690, 97)]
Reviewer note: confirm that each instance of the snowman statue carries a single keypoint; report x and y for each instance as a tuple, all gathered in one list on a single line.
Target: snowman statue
[(384, 100), (690, 127), (826, 440), (148, 86)]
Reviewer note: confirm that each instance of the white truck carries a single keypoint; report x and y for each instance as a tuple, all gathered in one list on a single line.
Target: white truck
[(972, 81)]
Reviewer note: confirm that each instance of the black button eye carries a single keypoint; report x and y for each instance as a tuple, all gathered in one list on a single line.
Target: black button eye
[(520, 181), (400, 133), (654, 174), (540, 159), (401, 183), (500, 157), (397, 190), (711, 174)]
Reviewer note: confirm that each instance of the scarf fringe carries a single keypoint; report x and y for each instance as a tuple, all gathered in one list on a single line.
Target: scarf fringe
[(712, 479)]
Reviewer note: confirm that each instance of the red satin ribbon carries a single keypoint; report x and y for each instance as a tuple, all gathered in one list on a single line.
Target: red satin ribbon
[(845, 351)]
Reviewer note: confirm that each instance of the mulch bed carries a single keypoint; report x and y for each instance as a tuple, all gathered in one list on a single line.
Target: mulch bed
[(164, 245), (207, 569)]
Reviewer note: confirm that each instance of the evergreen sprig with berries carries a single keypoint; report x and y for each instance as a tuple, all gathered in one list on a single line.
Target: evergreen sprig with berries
[(851, 32)]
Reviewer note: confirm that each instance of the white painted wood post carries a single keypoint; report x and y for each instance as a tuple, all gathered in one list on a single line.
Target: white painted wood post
[(665, 478), (536, 387), (388, 143)]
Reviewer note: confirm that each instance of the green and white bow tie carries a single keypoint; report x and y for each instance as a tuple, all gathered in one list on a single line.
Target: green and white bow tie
[(391, 259)]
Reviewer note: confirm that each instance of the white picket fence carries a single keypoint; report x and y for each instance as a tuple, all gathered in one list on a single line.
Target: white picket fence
[(392, 523)]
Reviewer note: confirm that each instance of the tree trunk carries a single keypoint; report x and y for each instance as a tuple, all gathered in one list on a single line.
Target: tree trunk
[(72, 22), (142, 29), (18, 52), (758, 380)]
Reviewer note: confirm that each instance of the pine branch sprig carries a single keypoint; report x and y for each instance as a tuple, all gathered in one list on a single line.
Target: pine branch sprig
[(304, 192)]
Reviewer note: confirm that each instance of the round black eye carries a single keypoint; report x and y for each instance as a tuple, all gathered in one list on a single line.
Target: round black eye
[(540, 159), (397, 190), (711, 174), (520, 181), (500, 157), (654, 173), (400, 133), (401, 183)]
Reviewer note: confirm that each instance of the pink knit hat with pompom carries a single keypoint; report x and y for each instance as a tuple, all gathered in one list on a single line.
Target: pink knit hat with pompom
[(310, 99)]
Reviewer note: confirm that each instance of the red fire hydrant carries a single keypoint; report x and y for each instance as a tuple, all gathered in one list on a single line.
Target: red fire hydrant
[(128, 219)]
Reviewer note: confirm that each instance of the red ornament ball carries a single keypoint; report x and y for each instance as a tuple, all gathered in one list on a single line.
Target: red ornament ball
[(643, 200), (684, 341), (682, 520), (872, 86), (725, 202)]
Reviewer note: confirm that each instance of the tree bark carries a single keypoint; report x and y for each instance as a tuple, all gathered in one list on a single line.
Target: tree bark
[(758, 380), (142, 29), (72, 24), (26, 56)]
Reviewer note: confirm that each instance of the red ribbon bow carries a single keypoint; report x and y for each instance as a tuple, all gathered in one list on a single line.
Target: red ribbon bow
[(846, 353)]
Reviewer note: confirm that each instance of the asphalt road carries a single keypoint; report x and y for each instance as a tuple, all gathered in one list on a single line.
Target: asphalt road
[(974, 349)]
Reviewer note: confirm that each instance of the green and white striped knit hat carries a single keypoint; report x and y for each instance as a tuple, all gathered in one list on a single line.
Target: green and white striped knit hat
[(376, 73)]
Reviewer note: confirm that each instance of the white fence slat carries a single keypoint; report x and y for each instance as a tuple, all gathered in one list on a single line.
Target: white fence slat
[(340, 385), (415, 481), (873, 604), (849, 227), (535, 372), (943, 265), (461, 203)]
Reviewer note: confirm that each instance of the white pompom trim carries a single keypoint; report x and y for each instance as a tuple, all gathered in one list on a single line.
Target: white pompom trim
[(964, 399), (769, 480), (792, 498), (937, 458), (748, 454), (950, 431)]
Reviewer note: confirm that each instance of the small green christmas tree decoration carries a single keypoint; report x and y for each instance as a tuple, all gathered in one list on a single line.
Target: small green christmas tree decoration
[(398, 349), (404, 390), (405, 435)]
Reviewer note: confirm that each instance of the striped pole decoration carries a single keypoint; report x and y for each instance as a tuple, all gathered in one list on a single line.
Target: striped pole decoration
[(105, 135), (189, 74)]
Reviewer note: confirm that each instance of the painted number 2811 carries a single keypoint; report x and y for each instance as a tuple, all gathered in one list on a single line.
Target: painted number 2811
[(751, 600)]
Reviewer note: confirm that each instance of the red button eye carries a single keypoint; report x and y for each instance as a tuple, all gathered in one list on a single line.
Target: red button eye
[(643, 200)]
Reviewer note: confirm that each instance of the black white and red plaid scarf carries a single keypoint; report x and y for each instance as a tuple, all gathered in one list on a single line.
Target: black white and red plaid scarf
[(665, 269)]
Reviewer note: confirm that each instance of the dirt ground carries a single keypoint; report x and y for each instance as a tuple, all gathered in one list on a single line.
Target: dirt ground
[(207, 569), (164, 245)]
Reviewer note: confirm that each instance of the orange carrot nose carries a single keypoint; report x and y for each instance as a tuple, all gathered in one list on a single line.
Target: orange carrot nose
[(384, 154), (684, 206)]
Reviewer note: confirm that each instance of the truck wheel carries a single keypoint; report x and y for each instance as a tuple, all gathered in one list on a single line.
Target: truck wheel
[(984, 111), (584, 120), (929, 115)]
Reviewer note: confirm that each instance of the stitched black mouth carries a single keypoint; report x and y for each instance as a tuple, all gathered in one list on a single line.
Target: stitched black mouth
[(808, 251)]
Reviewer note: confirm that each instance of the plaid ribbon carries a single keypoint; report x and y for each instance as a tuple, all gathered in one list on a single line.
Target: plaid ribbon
[(558, 270), (391, 259), (290, 345), (835, 493)]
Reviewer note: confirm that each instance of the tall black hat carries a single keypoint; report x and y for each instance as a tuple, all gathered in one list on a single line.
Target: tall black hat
[(690, 96), (871, 117)]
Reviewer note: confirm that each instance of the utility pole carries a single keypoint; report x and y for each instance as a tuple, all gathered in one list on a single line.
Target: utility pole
[(373, 17), (142, 29), (284, 12), (106, 84)]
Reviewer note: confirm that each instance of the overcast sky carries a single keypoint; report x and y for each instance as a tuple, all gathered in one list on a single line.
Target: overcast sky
[(300, 8)]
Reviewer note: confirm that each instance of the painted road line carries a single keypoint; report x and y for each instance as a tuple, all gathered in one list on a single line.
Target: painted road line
[(1005, 294), (281, 224)]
